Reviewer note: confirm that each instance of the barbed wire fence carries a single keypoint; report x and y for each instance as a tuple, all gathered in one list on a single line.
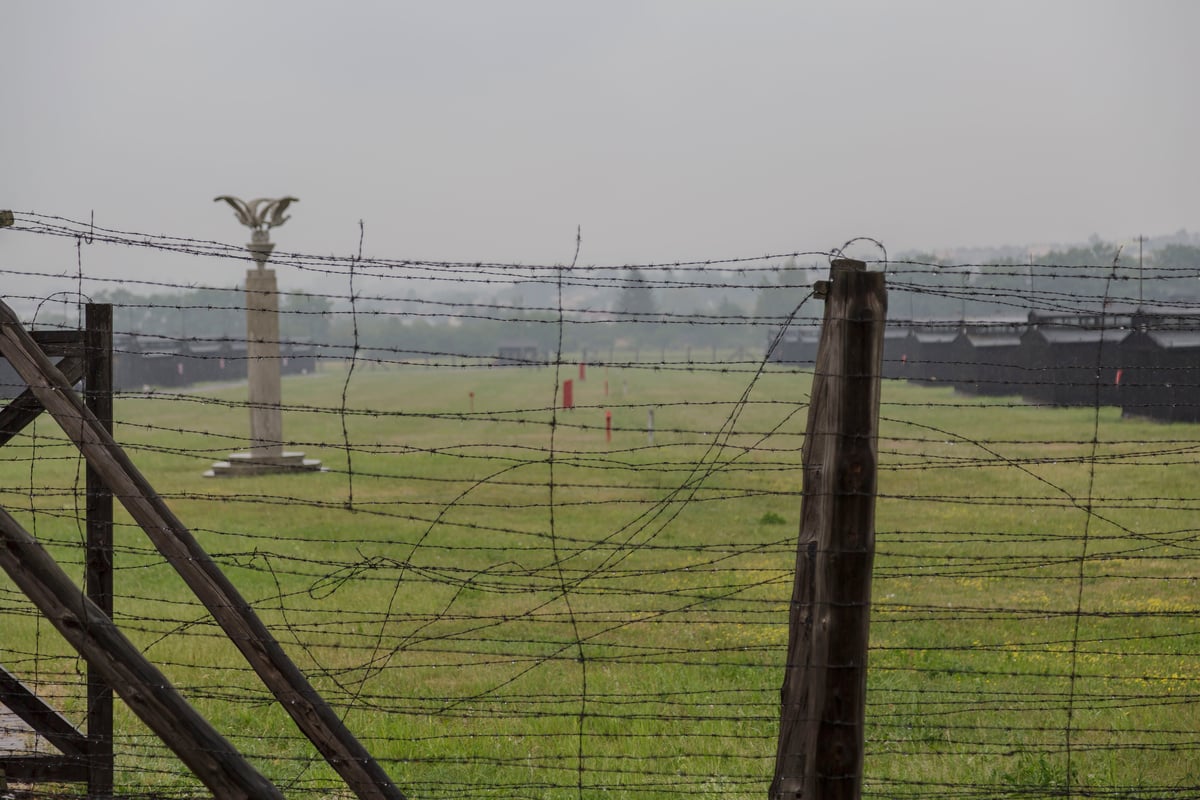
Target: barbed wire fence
[(506, 593)]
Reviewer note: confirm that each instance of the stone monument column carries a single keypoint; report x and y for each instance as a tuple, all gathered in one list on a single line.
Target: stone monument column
[(262, 353), (266, 453)]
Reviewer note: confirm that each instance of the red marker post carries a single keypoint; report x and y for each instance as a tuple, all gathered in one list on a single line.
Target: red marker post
[(568, 399), (608, 426)]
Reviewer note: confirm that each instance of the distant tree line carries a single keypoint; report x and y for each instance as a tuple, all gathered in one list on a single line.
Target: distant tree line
[(1079, 278), (664, 311), (400, 330), (211, 314)]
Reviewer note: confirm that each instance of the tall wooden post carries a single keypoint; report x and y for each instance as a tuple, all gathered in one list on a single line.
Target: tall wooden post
[(823, 701), (98, 576)]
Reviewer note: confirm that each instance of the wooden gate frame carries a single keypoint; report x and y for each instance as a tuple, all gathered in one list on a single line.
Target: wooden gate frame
[(92, 633), (84, 757)]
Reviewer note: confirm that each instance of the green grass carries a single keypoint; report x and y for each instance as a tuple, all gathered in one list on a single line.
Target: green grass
[(502, 607)]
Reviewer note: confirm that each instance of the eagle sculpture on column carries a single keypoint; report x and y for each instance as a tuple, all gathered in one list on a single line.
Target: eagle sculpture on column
[(260, 214)]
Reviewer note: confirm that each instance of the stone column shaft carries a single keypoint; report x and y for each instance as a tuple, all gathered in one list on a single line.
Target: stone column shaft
[(262, 366)]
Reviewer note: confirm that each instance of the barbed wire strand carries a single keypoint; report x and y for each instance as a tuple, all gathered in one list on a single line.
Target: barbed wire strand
[(508, 604)]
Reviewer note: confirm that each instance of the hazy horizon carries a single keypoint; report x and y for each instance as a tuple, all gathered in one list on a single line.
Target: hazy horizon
[(665, 130)]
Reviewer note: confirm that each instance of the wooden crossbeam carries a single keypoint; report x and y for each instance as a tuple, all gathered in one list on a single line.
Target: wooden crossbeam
[(40, 769)]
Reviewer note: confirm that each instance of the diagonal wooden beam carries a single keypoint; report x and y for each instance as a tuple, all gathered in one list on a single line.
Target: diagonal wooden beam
[(37, 714), (25, 407), (143, 687), (312, 715)]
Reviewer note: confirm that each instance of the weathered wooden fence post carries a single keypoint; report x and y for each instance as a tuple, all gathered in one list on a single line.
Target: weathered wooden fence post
[(98, 574), (823, 701)]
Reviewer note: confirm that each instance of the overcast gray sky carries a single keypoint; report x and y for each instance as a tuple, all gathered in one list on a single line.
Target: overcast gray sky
[(667, 129)]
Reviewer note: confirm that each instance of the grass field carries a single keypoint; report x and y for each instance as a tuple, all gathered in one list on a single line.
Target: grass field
[(503, 603)]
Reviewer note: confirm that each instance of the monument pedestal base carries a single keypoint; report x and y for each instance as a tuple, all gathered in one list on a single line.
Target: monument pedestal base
[(263, 464)]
